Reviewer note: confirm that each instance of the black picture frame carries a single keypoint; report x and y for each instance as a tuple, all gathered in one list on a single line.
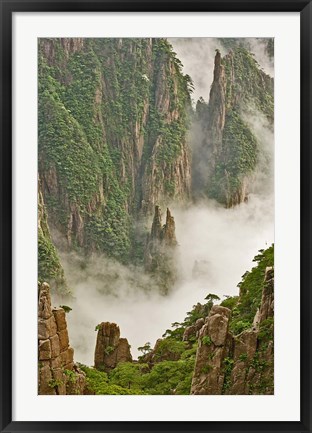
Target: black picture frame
[(7, 10)]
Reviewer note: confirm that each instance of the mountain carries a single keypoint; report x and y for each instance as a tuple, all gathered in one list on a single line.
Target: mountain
[(225, 164), (113, 118), (119, 140), (57, 372), (218, 349)]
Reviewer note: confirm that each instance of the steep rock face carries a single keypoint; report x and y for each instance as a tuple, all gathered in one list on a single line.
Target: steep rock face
[(110, 349), (49, 265), (229, 146), (216, 110), (193, 330), (112, 136), (243, 364), (57, 372), (159, 256), (212, 349)]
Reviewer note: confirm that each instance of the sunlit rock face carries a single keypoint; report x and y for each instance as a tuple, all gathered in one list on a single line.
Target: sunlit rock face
[(110, 349), (243, 364), (58, 374), (228, 157)]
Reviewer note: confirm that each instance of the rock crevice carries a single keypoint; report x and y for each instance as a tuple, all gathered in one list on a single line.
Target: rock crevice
[(58, 374), (110, 349), (237, 365)]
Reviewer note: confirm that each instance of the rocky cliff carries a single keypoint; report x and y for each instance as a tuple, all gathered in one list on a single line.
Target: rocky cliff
[(49, 265), (216, 349), (228, 158), (58, 374), (110, 349), (160, 250), (113, 116), (242, 364)]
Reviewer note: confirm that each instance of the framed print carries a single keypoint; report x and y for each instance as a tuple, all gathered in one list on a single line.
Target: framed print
[(155, 217)]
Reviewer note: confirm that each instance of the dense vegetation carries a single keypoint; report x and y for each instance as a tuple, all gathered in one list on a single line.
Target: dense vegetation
[(49, 265), (250, 86), (245, 306), (102, 131), (168, 368), (113, 123), (233, 149), (238, 160)]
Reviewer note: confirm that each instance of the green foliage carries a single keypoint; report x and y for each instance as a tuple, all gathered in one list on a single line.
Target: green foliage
[(170, 369), (206, 340), (146, 348), (237, 151), (71, 375), (109, 349), (66, 149), (212, 298), (66, 308), (251, 288), (251, 84), (92, 104), (166, 377), (170, 377), (257, 363), (206, 369), (238, 326), (54, 383), (128, 375), (238, 160), (49, 266), (243, 357), (266, 330), (98, 383), (228, 364), (168, 348), (230, 302)]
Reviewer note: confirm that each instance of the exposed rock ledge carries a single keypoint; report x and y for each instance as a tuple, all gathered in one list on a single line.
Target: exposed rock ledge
[(243, 364), (58, 374)]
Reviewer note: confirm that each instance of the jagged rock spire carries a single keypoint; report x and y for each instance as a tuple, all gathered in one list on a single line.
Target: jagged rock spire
[(157, 224), (55, 356), (168, 230), (160, 251), (110, 349), (236, 365)]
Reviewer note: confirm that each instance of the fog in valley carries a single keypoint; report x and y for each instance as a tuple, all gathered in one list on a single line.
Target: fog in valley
[(215, 245)]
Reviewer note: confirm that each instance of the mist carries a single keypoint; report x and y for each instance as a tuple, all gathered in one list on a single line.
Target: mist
[(222, 241), (197, 56), (216, 246)]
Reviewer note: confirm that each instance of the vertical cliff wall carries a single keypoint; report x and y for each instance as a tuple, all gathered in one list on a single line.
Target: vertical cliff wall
[(110, 349), (113, 116), (241, 364), (57, 373), (160, 251), (49, 265), (230, 149)]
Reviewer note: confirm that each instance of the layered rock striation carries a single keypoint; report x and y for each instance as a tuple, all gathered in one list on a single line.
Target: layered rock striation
[(110, 349), (242, 364), (160, 251), (113, 118), (58, 374)]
